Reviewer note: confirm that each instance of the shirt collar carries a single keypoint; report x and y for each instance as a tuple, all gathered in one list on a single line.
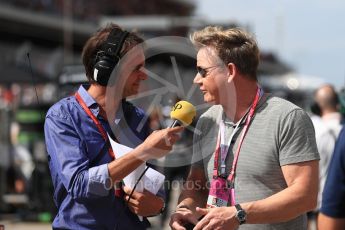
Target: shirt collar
[(89, 101), (228, 121), (92, 104)]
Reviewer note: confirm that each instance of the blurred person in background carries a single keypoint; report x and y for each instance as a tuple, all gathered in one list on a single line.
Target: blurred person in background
[(327, 126), (83, 166), (332, 211), (255, 163)]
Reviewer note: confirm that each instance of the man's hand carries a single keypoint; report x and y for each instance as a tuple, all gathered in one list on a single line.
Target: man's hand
[(217, 218), (160, 142), (143, 204), (181, 217)]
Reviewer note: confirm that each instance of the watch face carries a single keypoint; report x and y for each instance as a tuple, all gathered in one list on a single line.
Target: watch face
[(241, 215)]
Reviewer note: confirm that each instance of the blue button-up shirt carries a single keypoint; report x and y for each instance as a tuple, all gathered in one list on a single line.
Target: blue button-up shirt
[(78, 158)]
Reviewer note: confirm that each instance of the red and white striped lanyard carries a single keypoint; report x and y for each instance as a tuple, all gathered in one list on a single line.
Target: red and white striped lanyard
[(97, 122), (223, 149)]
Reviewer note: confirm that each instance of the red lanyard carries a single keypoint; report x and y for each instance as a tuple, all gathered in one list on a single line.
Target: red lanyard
[(96, 121), (247, 123)]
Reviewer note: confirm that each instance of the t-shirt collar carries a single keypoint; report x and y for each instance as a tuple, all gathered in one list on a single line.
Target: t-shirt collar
[(228, 121)]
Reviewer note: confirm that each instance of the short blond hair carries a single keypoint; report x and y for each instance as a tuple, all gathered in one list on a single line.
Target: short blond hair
[(233, 45)]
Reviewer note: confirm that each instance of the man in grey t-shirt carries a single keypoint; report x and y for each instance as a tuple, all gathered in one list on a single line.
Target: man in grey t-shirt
[(255, 160)]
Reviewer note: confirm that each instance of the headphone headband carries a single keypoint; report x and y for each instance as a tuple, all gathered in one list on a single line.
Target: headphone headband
[(114, 42)]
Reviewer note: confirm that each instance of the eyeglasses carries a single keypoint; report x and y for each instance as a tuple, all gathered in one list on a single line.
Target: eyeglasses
[(203, 71)]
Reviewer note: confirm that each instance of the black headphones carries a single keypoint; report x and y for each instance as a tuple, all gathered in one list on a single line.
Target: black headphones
[(108, 57)]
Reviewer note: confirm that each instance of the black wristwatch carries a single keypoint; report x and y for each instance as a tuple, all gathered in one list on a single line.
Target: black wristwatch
[(240, 214)]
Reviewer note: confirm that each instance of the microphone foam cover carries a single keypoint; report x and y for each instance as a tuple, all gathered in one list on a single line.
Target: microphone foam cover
[(184, 112)]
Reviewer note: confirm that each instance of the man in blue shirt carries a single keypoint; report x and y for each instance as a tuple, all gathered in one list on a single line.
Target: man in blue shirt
[(83, 166), (332, 213)]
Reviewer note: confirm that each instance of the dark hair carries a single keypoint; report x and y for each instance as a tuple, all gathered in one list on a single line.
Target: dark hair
[(95, 43)]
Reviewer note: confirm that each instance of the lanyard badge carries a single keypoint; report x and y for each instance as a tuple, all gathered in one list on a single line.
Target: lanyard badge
[(219, 193), (222, 192)]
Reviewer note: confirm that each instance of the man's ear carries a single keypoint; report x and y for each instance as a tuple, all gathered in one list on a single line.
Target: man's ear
[(232, 70)]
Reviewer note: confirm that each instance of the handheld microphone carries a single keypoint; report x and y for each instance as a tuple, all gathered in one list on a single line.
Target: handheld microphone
[(182, 113)]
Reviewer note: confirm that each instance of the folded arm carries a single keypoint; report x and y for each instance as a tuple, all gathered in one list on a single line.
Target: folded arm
[(299, 197)]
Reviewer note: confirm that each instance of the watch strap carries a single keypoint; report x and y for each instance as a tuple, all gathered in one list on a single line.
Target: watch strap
[(238, 207), (241, 214)]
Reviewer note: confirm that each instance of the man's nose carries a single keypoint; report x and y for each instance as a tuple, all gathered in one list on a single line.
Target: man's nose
[(197, 79)]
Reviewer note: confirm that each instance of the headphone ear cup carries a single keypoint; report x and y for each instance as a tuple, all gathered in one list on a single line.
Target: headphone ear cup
[(108, 57), (103, 69)]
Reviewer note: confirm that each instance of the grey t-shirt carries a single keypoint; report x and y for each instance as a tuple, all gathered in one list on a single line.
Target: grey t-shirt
[(280, 134)]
